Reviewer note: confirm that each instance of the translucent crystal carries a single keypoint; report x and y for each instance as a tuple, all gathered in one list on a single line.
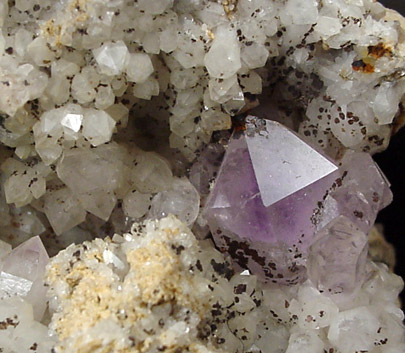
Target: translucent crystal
[(111, 57), (136, 204), (223, 58), (63, 210), (363, 192), (98, 126), (85, 170), (21, 331), (5, 249), (337, 259), (139, 67), (98, 202), (151, 173), (302, 12), (305, 342), (354, 330), (20, 84), (146, 89), (264, 198), (205, 169), (182, 200), (28, 262), (104, 97), (39, 52), (255, 55), (72, 121)]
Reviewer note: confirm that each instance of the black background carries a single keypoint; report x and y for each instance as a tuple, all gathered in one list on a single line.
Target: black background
[(392, 163)]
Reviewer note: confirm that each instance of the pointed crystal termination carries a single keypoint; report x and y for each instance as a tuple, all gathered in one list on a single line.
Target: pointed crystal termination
[(22, 272), (261, 207)]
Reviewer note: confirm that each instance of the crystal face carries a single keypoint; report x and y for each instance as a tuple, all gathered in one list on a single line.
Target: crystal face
[(275, 195)]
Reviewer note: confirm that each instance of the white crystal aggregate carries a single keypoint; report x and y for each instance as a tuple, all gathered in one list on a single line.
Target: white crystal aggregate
[(104, 104), (158, 288)]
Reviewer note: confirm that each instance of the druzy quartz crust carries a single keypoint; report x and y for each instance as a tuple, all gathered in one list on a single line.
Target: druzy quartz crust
[(197, 176)]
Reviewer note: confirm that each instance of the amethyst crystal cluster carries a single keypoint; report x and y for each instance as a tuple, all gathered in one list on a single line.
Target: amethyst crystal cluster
[(286, 211)]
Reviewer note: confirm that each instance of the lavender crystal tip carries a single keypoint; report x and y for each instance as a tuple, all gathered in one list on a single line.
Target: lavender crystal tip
[(197, 176)]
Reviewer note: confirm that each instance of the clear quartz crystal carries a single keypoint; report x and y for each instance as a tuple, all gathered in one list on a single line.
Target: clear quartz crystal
[(63, 210), (182, 201), (26, 266), (337, 258), (218, 65), (139, 67)]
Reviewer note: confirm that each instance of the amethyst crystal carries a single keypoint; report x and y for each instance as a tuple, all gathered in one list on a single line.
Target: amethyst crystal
[(261, 207), (274, 193)]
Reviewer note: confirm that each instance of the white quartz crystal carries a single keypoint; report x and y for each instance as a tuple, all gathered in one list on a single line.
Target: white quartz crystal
[(20, 332), (136, 204), (98, 126), (63, 210), (25, 265), (139, 67), (111, 57), (223, 59)]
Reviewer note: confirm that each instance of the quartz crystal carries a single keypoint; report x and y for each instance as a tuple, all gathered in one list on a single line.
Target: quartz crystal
[(98, 126), (337, 259), (111, 57), (363, 192), (182, 201), (22, 272), (264, 197), (288, 194)]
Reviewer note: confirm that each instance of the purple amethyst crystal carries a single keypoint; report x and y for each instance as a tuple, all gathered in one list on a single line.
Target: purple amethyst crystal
[(274, 193), (261, 207)]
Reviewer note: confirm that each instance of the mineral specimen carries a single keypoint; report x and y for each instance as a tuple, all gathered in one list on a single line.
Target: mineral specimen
[(116, 112)]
